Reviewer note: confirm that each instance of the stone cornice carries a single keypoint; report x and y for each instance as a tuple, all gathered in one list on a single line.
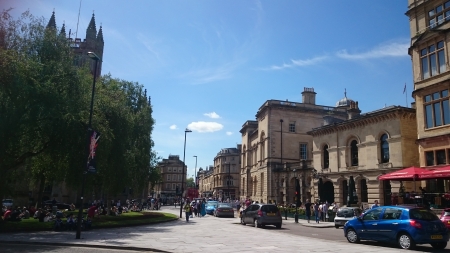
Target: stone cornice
[(370, 118)]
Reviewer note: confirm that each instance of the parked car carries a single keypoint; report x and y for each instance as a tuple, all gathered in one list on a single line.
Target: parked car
[(445, 217), (224, 209), (7, 202), (345, 214), (261, 215), (210, 207), (406, 226)]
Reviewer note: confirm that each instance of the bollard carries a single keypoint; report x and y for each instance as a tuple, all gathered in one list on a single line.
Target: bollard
[(296, 215), (285, 213)]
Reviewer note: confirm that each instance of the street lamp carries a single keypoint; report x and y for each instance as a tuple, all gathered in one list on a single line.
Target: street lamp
[(195, 172), (182, 175), (94, 57), (297, 195), (229, 181)]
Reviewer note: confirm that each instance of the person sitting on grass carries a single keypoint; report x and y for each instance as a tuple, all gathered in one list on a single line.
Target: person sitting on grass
[(59, 225), (88, 223), (25, 214), (7, 214), (70, 223)]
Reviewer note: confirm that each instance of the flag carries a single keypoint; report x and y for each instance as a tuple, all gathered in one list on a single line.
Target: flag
[(404, 89)]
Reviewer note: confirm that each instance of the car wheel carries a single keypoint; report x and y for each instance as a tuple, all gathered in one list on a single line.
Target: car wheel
[(278, 226), (336, 226), (256, 224), (352, 236), (406, 242), (439, 245), (242, 221)]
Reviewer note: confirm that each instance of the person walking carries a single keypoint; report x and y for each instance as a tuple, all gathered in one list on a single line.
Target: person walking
[(375, 204), (202, 209), (187, 210), (308, 210), (316, 212)]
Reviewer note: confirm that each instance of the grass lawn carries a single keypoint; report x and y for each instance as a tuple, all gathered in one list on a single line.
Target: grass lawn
[(124, 220)]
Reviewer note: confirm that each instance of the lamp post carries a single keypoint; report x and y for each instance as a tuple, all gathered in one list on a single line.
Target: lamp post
[(229, 181), (94, 57), (281, 155), (195, 172), (297, 195), (182, 175)]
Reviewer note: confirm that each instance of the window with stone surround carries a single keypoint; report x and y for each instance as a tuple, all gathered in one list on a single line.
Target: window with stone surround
[(303, 151), (384, 148), (436, 109), (326, 157), (354, 153), (429, 158), (432, 59), (439, 15), (292, 127)]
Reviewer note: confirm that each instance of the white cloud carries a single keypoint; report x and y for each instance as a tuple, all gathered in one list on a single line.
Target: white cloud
[(229, 133), (299, 63), (212, 115), (173, 127), (204, 127), (389, 50)]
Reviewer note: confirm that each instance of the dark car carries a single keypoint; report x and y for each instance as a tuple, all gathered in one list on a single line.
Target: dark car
[(224, 209), (406, 226), (345, 214), (261, 215), (445, 217)]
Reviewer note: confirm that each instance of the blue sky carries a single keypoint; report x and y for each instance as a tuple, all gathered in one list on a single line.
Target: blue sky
[(209, 65)]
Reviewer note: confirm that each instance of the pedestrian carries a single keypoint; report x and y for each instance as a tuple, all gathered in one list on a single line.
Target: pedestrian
[(308, 210), (375, 204), (202, 209), (187, 210), (316, 212), (325, 211)]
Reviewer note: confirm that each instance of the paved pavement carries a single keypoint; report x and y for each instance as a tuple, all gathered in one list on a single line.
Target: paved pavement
[(198, 235)]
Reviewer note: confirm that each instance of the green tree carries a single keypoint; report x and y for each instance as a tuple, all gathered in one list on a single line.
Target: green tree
[(190, 182)]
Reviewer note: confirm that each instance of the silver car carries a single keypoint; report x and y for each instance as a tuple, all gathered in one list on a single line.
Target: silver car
[(261, 215), (224, 209), (345, 214)]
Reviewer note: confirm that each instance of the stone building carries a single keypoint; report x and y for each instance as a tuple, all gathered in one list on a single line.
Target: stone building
[(361, 149), (226, 176), (172, 174), (277, 142), (429, 26), (206, 182)]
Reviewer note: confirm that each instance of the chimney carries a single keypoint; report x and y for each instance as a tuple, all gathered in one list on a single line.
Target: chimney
[(308, 96), (353, 111)]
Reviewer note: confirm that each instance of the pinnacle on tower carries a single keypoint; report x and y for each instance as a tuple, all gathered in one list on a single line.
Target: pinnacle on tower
[(52, 21), (91, 31), (63, 31), (100, 35)]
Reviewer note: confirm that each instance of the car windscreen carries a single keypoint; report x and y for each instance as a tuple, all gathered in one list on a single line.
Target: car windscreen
[(422, 214), (211, 204), (269, 209), (347, 212), (446, 213), (224, 205)]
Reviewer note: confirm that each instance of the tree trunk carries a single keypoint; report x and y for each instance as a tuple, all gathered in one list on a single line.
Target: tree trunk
[(40, 191)]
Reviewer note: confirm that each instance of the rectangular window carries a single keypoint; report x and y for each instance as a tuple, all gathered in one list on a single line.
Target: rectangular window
[(169, 177), (432, 59), (173, 186), (429, 156), (439, 15), (167, 186), (170, 169), (440, 157), (179, 170), (179, 177), (292, 127), (303, 151), (437, 110)]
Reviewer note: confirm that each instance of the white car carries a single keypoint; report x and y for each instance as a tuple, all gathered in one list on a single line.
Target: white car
[(7, 202), (345, 214)]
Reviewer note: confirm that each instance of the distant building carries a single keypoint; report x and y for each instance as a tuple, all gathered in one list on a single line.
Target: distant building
[(206, 182), (226, 176), (172, 174)]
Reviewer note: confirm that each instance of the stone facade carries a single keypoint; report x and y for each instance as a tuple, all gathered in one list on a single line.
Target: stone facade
[(172, 176), (276, 142), (429, 26), (222, 179), (363, 148)]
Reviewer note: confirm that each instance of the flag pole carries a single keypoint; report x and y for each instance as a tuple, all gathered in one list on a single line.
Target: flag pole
[(406, 96)]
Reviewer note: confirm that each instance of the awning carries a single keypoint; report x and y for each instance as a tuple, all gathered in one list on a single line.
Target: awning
[(441, 172), (407, 174)]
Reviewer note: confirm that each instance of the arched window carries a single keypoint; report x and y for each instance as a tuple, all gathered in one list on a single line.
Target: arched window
[(354, 153), (326, 157), (384, 148)]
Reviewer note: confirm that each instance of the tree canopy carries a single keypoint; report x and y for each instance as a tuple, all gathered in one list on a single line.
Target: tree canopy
[(44, 110)]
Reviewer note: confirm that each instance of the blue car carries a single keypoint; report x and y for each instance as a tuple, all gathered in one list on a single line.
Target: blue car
[(406, 226), (211, 206)]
